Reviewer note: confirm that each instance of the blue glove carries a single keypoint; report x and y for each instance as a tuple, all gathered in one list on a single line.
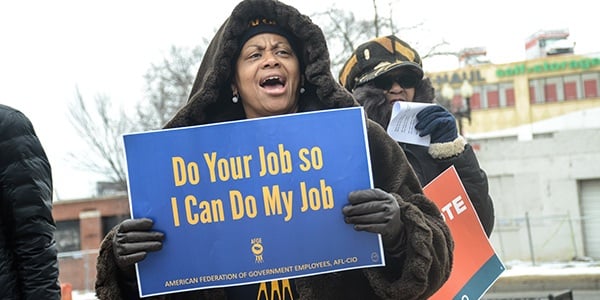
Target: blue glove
[(436, 121)]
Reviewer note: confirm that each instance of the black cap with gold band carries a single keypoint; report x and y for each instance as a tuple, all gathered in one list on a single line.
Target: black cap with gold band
[(378, 57)]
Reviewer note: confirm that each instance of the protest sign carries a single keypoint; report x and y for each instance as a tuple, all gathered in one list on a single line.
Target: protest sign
[(252, 200), (476, 265)]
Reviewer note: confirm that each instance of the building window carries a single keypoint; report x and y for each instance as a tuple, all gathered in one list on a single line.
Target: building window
[(571, 90), (510, 97), (492, 97), (564, 88), (476, 100), (572, 87), (67, 236), (590, 85), (550, 92)]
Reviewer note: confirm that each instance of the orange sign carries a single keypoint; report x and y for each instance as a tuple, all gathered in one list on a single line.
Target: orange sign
[(476, 265)]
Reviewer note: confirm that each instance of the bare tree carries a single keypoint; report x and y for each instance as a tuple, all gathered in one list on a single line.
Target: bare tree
[(167, 86), (344, 32), (101, 126)]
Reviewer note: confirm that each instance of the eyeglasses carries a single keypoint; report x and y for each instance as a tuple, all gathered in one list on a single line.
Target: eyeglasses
[(406, 81)]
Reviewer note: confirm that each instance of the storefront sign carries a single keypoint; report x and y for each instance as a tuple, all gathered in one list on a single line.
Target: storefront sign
[(458, 77), (522, 69)]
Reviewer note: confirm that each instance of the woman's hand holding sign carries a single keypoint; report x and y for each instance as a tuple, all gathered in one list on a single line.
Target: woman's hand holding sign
[(132, 242), (377, 211)]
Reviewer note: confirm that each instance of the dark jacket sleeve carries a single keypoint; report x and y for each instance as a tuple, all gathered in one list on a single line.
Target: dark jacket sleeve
[(425, 261), (26, 187), (110, 283), (475, 182)]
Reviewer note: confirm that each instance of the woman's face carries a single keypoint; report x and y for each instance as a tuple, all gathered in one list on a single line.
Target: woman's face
[(398, 93), (397, 86), (267, 76)]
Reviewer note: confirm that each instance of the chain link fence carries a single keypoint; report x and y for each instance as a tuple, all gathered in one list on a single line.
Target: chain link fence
[(546, 238)]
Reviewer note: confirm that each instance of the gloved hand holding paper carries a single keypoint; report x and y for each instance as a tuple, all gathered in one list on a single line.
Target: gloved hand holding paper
[(403, 121)]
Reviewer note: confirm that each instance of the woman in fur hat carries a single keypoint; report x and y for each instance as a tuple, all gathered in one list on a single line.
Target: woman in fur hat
[(268, 59), (387, 69)]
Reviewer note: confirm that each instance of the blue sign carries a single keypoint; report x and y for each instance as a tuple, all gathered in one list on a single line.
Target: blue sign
[(251, 201)]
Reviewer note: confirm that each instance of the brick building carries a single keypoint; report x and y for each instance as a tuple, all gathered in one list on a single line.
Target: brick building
[(81, 225)]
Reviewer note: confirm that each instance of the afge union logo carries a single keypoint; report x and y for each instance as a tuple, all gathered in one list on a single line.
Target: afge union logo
[(257, 249)]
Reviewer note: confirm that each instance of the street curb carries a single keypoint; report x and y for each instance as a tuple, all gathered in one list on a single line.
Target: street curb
[(546, 282)]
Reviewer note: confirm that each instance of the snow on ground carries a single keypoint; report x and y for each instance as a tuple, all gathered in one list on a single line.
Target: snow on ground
[(520, 268), (83, 295)]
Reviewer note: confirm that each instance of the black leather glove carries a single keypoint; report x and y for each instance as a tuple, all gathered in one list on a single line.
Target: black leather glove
[(438, 122), (133, 240), (377, 211)]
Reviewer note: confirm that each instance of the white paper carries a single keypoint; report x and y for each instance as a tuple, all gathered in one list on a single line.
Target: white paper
[(403, 121)]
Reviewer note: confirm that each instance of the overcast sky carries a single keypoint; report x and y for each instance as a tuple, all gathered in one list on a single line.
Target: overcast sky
[(105, 47)]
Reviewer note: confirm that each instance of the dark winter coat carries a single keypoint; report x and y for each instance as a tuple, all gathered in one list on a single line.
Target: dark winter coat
[(426, 165), (425, 261), (28, 254)]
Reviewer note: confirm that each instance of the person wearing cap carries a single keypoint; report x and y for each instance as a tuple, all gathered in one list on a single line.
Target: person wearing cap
[(269, 59), (387, 69)]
